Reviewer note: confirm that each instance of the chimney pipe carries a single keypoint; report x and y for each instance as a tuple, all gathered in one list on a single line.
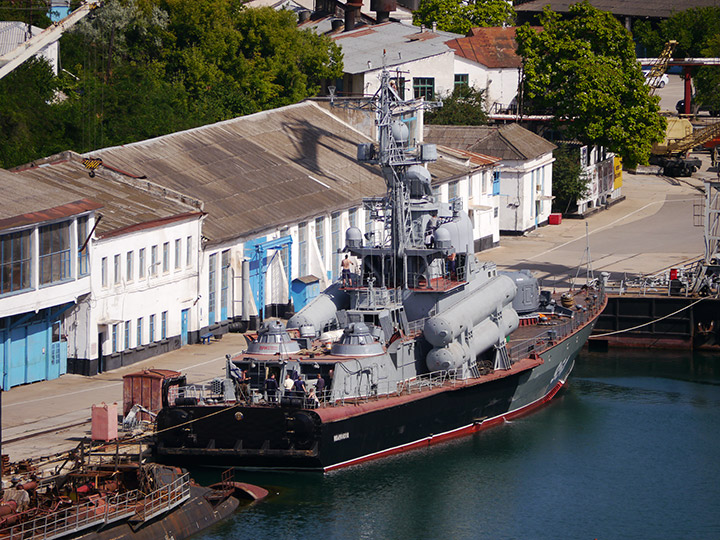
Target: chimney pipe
[(351, 9)]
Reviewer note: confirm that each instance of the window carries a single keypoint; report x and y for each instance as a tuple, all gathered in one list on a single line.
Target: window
[(320, 236), (335, 240), (129, 265), (55, 253), (461, 79), (127, 335), (139, 332), (84, 255), (424, 87), (141, 263), (352, 217), (115, 330), (166, 257), (151, 329), (452, 191), (103, 271), (116, 269), (188, 255), (400, 86), (496, 183), (212, 270), (302, 249), (163, 325), (224, 283), (15, 262), (178, 255), (154, 260)]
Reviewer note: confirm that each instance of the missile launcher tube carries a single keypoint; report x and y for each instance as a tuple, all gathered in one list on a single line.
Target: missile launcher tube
[(484, 335), (444, 328), (322, 310)]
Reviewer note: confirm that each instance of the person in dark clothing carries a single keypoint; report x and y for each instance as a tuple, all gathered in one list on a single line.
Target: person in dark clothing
[(320, 388), (271, 387), (300, 387)]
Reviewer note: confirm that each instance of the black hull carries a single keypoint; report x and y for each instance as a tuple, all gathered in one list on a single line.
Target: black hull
[(329, 438)]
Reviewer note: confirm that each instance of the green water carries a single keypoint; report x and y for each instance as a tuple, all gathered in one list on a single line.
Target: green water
[(631, 449)]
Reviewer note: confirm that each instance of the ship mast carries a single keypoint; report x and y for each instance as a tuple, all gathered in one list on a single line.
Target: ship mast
[(393, 156)]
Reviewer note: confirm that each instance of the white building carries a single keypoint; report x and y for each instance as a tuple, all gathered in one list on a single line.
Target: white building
[(486, 59), (604, 175), (421, 54), (142, 277), (524, 181), (44, 273)]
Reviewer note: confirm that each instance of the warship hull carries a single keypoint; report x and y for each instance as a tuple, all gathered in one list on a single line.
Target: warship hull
[(328, 438)]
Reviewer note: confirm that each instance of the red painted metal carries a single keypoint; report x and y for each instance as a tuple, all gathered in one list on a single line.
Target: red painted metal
[(145, 388)]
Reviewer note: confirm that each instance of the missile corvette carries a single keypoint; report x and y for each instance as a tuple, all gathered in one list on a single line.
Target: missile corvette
[(418, 343)]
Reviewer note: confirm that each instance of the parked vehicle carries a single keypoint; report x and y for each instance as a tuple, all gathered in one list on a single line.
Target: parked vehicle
[(658, 82)]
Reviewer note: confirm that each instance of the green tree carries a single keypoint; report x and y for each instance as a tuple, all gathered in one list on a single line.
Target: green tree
[(460, 16), (28, 123), (569, 181), (582, 69), (463, 107)]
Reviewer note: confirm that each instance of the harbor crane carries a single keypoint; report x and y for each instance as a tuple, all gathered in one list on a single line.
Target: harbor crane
[(26, 50)]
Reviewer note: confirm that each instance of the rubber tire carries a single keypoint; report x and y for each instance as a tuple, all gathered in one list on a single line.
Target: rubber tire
[(661, 84)]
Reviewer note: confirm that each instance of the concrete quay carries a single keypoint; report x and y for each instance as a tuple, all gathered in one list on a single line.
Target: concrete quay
[(651, 230)]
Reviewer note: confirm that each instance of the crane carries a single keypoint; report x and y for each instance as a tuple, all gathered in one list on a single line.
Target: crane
[(52, 33), (658, 68)]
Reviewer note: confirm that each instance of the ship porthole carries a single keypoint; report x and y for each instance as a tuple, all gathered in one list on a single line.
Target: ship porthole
[(238, 416)]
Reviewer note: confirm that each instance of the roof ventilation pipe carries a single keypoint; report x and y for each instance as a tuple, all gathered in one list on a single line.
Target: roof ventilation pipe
[(383, 9), (352, 7), (303, 16), (336, 24)]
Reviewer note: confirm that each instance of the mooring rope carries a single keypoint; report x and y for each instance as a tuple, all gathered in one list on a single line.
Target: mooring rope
[(648, 323)]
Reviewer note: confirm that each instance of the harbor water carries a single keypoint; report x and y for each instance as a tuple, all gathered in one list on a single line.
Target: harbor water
[(630, 449)]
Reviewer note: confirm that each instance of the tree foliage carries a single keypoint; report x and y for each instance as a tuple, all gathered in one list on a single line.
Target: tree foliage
[(570, 182), (463, 107), (582, 69), (460, 16), (141, 68)]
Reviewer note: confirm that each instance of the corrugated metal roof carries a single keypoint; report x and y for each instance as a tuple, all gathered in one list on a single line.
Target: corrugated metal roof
[(491, 47), (13, 33), (507, 141), (403, 43), (64, 178), (263, 170), (656, 9)]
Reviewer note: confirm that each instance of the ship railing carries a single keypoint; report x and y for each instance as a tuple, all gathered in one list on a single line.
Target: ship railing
[(388, 389), (76, 518), (165, 498), (102, 510), (372, 297), (201, 392), (557, 332)]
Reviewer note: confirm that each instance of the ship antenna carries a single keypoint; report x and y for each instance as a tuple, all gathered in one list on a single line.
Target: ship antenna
[(394, 157)]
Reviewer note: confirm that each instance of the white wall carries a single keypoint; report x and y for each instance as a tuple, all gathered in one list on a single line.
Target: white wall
[(440, 67), (134, 296), (525, 188), (500, 84)]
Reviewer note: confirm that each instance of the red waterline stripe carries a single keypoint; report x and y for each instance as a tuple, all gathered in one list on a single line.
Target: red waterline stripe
[(453, 434)]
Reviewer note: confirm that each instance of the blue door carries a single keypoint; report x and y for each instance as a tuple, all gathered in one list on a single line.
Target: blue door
[(55, 360), (16, 362), (37, 353), (184, 321)]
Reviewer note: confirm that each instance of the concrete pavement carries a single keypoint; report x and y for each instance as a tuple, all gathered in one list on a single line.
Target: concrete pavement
[(652, 229)]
